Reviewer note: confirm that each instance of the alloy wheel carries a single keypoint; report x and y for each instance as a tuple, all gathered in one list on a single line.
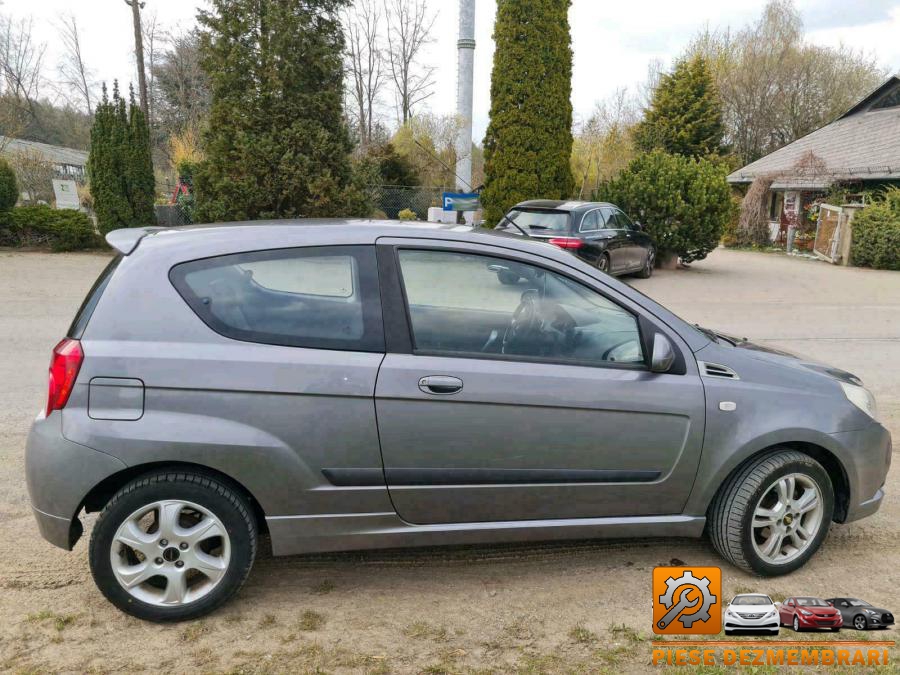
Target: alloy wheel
[(787, 518), (170, 553), (796, 624), (859, 623), (603, 264)]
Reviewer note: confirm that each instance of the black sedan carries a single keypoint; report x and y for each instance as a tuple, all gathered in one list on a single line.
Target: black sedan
[(596, 232), (860, 614)]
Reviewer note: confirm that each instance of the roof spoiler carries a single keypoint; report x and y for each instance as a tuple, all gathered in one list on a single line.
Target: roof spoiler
[(127, 239)]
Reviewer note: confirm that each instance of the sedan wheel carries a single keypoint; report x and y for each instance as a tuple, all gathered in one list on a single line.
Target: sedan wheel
[(647, 270), (773, 513), (603, 263), (796, 624), (173, 546), (787, 518), (859, 622)]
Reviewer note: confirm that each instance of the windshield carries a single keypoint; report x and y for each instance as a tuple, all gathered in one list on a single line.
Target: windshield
[(859, 603), (537, 220), (811, 602), (752, 600)]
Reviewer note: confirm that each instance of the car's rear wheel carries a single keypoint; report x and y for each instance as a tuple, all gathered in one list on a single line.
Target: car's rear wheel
[(173, 546), (772, 515), (603, 263), (647, 270)]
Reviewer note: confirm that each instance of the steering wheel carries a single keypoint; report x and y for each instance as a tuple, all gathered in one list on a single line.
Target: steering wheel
[(525, 321)]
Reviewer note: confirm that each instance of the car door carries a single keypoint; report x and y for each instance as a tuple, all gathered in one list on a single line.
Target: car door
[(786, 611), (616, 241), (592, 231), (480, 420), (637, 241)]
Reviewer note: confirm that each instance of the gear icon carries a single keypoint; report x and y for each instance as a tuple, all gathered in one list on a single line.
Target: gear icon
[(688, 579)]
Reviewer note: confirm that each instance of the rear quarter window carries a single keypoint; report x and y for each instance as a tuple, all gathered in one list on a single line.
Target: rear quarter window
[(79, 324), (321, 297)]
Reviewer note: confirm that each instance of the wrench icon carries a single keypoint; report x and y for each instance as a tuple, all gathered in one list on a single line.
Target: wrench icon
[(682, 604)]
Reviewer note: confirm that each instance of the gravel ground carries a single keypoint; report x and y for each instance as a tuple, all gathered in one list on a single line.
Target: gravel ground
[(567, 607)]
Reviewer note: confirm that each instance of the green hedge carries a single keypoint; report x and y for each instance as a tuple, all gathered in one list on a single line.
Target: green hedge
[(876, 234), (59, 229)]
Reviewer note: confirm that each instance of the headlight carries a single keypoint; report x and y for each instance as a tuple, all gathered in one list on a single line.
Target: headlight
[(872, 612), (806, 612), (771, 614), (862, 398)]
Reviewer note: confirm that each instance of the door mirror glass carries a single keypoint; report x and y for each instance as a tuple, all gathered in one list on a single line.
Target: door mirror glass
[(638, 226), (663, 354)]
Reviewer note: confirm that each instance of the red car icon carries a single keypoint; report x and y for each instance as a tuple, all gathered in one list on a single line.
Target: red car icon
[(803, 613)]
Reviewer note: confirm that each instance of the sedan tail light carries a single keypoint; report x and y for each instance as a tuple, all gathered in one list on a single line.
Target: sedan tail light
[(64, 366), (567, 242)]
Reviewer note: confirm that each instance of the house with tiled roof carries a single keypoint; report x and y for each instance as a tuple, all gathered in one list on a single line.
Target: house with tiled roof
[(858, 151)]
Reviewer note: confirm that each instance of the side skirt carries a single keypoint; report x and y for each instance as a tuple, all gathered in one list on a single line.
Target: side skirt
[(357, 531)]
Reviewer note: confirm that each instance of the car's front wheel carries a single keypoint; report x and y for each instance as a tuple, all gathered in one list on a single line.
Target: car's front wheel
[(796, 624), (859, 622), (173, 546), (772, 515)]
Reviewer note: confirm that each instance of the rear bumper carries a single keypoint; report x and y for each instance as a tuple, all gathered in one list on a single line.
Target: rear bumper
[(60, 474)]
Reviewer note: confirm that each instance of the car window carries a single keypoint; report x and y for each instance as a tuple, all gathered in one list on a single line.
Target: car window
[(609, 217), (591, 221), (322, 297), (624, 221), (859, 603), (539, 220), (811, 602), (470, 304), (751, 600)]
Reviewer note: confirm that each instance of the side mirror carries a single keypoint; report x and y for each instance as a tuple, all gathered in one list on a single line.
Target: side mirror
[(638, 225), (663, 354)]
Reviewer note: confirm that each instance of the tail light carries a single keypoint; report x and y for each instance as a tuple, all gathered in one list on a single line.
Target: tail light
[(567, 242), (64, 366)]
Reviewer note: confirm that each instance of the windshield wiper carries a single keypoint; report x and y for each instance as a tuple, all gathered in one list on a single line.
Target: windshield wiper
[(507, 219), (707, 332)]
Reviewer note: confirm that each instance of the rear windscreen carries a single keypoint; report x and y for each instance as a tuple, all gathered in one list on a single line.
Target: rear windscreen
[(537, 221), (76, 330)]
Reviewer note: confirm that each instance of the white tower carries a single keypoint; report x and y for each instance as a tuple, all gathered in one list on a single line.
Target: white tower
[(465, 74)]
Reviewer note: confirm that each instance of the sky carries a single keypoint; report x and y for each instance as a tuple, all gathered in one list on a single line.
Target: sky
[(614, 41)]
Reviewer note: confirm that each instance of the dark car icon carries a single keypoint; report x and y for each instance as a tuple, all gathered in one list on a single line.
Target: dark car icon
[(804, 613), (861, 615)]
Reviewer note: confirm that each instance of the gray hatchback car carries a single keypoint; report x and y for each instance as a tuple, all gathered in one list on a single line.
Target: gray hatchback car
[(353, 384)]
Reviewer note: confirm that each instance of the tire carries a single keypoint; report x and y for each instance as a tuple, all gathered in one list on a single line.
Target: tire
[(729, 632), (796, 624), (835, 629), (731, 513), (228, 538), (508, 278), (603, 263), (774, 631), (860, 622), (647, 270)]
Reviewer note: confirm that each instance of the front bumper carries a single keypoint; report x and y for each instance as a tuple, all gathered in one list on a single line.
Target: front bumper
[(820, 621), (866, 456), (60, 474), (737, 622)]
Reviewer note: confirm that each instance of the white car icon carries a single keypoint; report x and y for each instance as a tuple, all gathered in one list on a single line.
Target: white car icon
[(751, 612)]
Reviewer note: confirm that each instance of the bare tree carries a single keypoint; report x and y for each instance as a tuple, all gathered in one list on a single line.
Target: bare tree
[(152, 34), (365, 65), (136, 7), (21, 68), (75, 75), (409, 26), (181, 86)]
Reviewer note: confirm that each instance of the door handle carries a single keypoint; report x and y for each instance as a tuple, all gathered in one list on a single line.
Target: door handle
[(440, 384)]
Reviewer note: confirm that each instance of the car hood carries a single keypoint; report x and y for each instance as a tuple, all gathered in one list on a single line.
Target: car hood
[(873, 609), (786, 359)]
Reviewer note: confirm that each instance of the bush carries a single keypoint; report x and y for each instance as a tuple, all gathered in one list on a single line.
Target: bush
[(60, 229), (876, 234), (9, 188), (407, 214), (683, 203)]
